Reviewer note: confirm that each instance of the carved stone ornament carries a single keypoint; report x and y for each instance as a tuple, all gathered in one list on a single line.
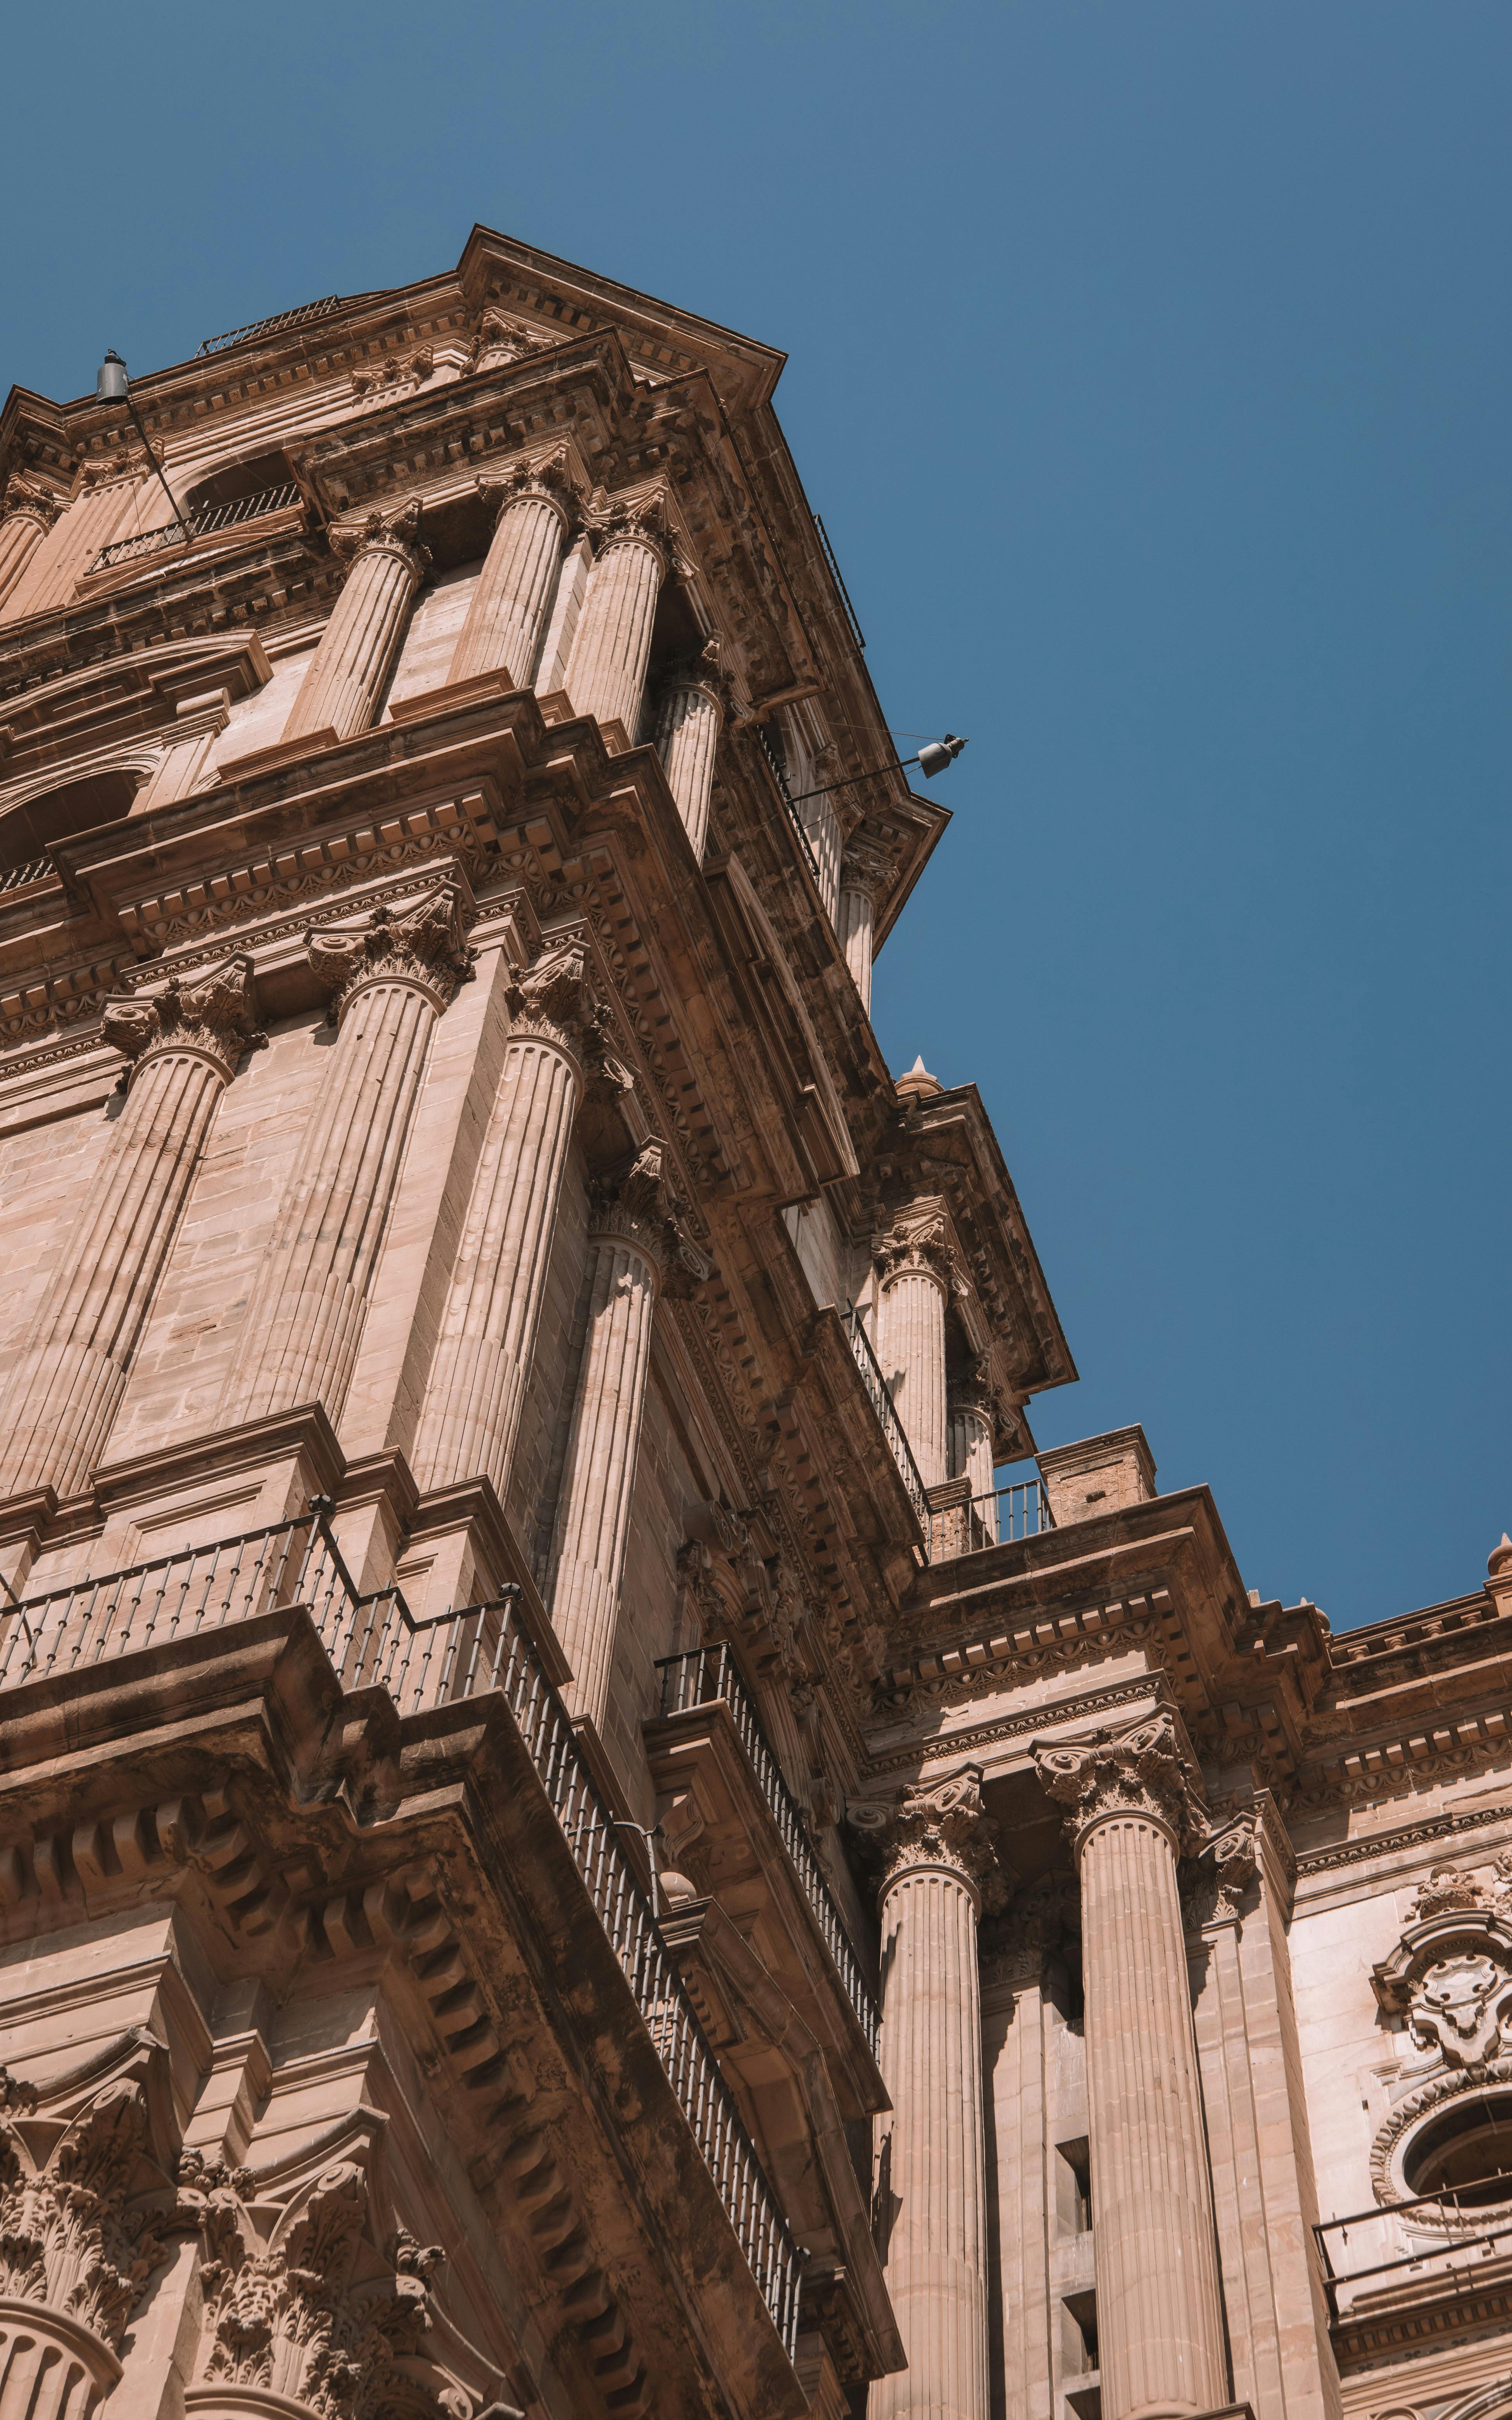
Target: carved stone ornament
[(640, 1207), (301, 2302), (395, 530), (24, 495), (423, 944), (556, 1000), (215, 1014), (641, 523), (1137, 1770), (866, 869), (86, 2200), (1450, 1975), (502, 339), (912, 1248), (938, 1823), (550, 478)]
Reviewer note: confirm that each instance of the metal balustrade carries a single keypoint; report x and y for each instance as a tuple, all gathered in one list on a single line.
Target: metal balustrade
[(892, 1427), (376, 1640), (268, 327), (1000, 1516), (1452, 2241), (839, 577), (775, 766), (190, 526), (700, 1677)]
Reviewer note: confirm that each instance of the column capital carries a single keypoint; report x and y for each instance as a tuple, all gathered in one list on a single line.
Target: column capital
[(546, 480), (915, 1245), (23, 494), (393, 530), (638, 1207), (938, 1825), (555, 999), (1135, 1770), (212, 1017), (642, 522), (423, 945), (701, 673), (866, 869)]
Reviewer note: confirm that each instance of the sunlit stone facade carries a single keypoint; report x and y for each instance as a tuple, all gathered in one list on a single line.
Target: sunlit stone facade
[(562, 1850)]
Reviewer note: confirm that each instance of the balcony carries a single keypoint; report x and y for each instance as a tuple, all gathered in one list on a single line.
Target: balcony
[(706, 1677), (892, 1427), (1416, 2271), (207, 523), (775, 766), (972, 1522), (374, 1641)]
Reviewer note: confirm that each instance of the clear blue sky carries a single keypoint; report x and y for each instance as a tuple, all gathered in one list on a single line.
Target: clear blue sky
[(1149, 366)]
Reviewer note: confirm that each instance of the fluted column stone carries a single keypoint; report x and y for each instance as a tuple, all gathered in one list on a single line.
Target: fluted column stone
[(606, 671), (970, 1446), (389, 978), (913, 1278), (1159, 2312), (634, 1248), (687, 736), (183, 1045), (937, 1849), (470, 1417), (344, 686), (27, 513), (861, 876), (507, 614)]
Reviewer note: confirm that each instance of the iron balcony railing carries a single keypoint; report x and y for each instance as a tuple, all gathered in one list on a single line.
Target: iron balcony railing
[(839, 583), (1020, 1511), (892, 1427), (699, 1679), (192, 525), (375, 1639), (1446, 2232), (775, 766), (268, 327)]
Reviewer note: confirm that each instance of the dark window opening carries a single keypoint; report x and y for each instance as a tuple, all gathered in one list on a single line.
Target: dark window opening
[(236, 481), (1073, 2187), (1467, 2153), (61, 815), (1078, 2335)]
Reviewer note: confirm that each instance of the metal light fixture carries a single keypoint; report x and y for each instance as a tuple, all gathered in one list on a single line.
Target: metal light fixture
[(113, 386), (932, 758)]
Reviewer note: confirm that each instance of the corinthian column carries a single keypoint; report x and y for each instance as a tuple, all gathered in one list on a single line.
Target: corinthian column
[(914, 1274), (183, 1045), (611, 645), (688, 734), (471, 1410), (971, 1445), (862, 874), (931, 2181), (389, 978), (26, 516), (1158, 2316), (633, 1245), (350, 670), (510, 604)]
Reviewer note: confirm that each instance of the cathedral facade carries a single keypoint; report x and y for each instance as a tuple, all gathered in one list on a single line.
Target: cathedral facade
[(565, 1848)]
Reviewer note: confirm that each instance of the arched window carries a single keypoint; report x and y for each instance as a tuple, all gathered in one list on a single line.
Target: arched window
[(84, 806)]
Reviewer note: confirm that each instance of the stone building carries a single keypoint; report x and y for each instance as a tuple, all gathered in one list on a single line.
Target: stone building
[(562, 1849)]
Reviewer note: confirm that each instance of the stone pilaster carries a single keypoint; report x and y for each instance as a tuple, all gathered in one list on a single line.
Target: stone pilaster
[(931, 2184), (507, 615), (861, 876), (389, 978), (634, 1245), (183, 1045), (349, 671), (26, 515), (482, 1359), (687, 735), (606, 673), (1160, 2318), (913, 1282)]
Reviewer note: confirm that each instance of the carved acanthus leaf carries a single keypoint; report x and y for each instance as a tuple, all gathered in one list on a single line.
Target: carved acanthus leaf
[(216, 1012), (393, 530), (424, 945), (940, 1824), (27, 495), (1137, 1770), (555, 998)]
